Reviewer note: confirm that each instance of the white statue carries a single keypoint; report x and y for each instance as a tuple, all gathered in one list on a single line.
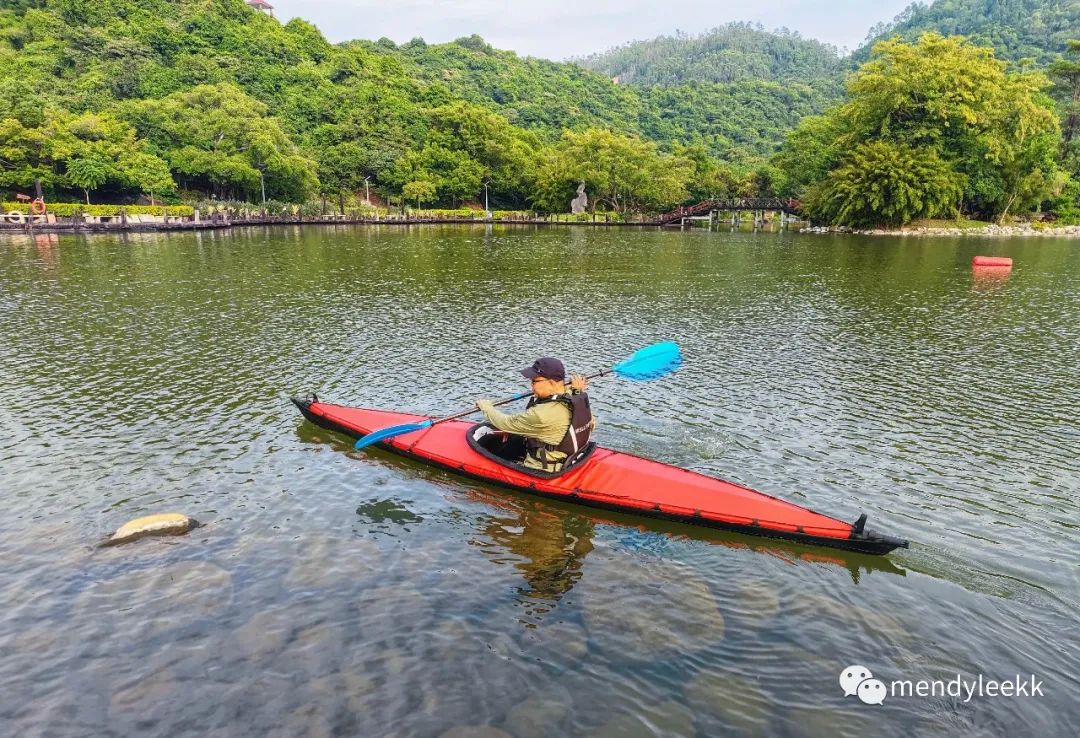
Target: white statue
[(580, 203)]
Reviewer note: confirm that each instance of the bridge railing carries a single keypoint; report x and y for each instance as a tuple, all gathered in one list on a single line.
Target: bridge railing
[(737, 203)]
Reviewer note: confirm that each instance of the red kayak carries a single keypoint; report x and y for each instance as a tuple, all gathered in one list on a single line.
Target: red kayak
[(602, 478)]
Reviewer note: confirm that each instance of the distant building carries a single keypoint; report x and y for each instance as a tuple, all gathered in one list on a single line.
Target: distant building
[(615, 80), (262, 6)]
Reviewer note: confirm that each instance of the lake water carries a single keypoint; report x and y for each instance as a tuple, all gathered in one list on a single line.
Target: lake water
[(334, 593)]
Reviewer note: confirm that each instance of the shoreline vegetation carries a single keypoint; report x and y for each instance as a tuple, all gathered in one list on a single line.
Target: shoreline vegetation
[(125, 223), (127, 101), (983, 230)]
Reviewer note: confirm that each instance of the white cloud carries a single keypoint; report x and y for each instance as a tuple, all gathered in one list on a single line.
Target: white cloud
[(558, 29)]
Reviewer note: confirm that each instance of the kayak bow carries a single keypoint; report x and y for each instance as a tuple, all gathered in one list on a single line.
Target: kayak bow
[(608, 479)]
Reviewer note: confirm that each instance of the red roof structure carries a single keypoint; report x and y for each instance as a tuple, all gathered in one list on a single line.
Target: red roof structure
[(262, 6)]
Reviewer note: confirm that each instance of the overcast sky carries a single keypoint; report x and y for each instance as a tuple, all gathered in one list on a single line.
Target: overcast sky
[(557, 29)]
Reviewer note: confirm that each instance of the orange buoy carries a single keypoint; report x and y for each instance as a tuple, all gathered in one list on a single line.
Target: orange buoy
[(991, 261), (37, 207)]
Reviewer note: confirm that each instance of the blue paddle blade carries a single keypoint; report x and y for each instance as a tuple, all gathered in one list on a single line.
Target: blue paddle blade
[(394, 430), (650, 362)]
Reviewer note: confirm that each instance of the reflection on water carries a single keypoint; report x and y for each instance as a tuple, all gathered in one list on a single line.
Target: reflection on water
[(342, 593), (387, 514), (547, 549)]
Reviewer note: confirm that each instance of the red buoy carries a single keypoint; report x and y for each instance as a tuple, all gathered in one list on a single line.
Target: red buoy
[(991, 261)]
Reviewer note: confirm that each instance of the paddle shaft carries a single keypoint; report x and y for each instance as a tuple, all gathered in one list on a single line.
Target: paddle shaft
[(647, 363), (515, 398)]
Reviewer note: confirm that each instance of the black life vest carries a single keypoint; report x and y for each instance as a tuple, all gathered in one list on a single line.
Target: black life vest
[(578, 432)]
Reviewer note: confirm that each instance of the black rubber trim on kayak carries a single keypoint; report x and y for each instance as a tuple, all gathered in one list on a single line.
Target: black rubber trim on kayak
[(867, 542), (574, 461)]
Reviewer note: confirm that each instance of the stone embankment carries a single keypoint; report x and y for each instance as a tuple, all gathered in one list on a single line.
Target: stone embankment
[(1011, 231)]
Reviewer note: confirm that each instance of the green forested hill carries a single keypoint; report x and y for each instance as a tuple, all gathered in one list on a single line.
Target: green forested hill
[(1016, 29), (119, 95), (729, 53), (195, 97), (736, 88), (738, 120)]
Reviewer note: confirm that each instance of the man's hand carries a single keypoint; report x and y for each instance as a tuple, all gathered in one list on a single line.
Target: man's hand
[(579, 383)]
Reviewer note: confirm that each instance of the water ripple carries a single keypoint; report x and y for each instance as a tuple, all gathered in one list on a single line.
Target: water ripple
[(360, 594)]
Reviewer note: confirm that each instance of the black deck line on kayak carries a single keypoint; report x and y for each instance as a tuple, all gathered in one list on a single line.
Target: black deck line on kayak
[(574, 461), (868, 541)]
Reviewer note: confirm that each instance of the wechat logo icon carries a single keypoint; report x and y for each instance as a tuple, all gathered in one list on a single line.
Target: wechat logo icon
[(859, 681)]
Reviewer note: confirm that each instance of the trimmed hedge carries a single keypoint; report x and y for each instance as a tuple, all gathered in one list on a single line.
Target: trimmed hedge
[(65, 209), (600, 217), (458, 213)]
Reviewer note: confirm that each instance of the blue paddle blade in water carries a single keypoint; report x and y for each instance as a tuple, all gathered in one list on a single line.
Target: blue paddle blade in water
[(394, 430), (650, 362)]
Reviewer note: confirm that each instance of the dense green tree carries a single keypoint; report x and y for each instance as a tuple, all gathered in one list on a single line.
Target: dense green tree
[(85, 152), (620, 173), (419, 190), (885, 184), (709, 178), (1015, 29), (945, 97), (89, 173), (503, 155), (996, 128), (343, 168), (809, 153), (217, 138), (1066, 75), (24, 156)]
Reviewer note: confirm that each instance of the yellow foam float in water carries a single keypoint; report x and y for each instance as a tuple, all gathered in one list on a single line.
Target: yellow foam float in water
[(162, 524)]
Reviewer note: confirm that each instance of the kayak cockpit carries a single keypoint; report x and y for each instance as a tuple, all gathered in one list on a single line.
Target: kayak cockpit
[(508, 450)]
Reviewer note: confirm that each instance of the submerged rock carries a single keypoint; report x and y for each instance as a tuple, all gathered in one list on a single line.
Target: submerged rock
[(643, 608), (162, 524), (757, 599), (854, 619), (739, 703), (538, 715), (558, 643), (664, 720), (144, 695), (819, 722), (326, 563), (264, 635), (475, 731), (146, 602)]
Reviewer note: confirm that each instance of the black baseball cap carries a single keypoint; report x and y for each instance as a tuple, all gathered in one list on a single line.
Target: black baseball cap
[(547, 367)]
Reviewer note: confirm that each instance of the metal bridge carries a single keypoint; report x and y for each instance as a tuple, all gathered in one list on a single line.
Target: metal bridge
[(706, 207)]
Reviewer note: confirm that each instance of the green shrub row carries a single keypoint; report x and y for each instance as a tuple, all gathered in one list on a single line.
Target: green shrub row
[(65, 209), (599, 216), (456, 213)]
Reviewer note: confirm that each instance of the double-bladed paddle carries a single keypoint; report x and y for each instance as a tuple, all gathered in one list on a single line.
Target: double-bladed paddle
[(647, 363)]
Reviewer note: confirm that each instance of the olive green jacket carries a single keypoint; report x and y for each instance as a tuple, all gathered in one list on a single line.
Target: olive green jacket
[(547, 421)]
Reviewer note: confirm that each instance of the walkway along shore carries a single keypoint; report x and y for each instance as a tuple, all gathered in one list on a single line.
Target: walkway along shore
[(989, 230), (121, 224), (114, 224)]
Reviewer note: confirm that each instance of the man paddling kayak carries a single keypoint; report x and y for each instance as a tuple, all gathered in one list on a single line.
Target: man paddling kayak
[(556, 423)]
